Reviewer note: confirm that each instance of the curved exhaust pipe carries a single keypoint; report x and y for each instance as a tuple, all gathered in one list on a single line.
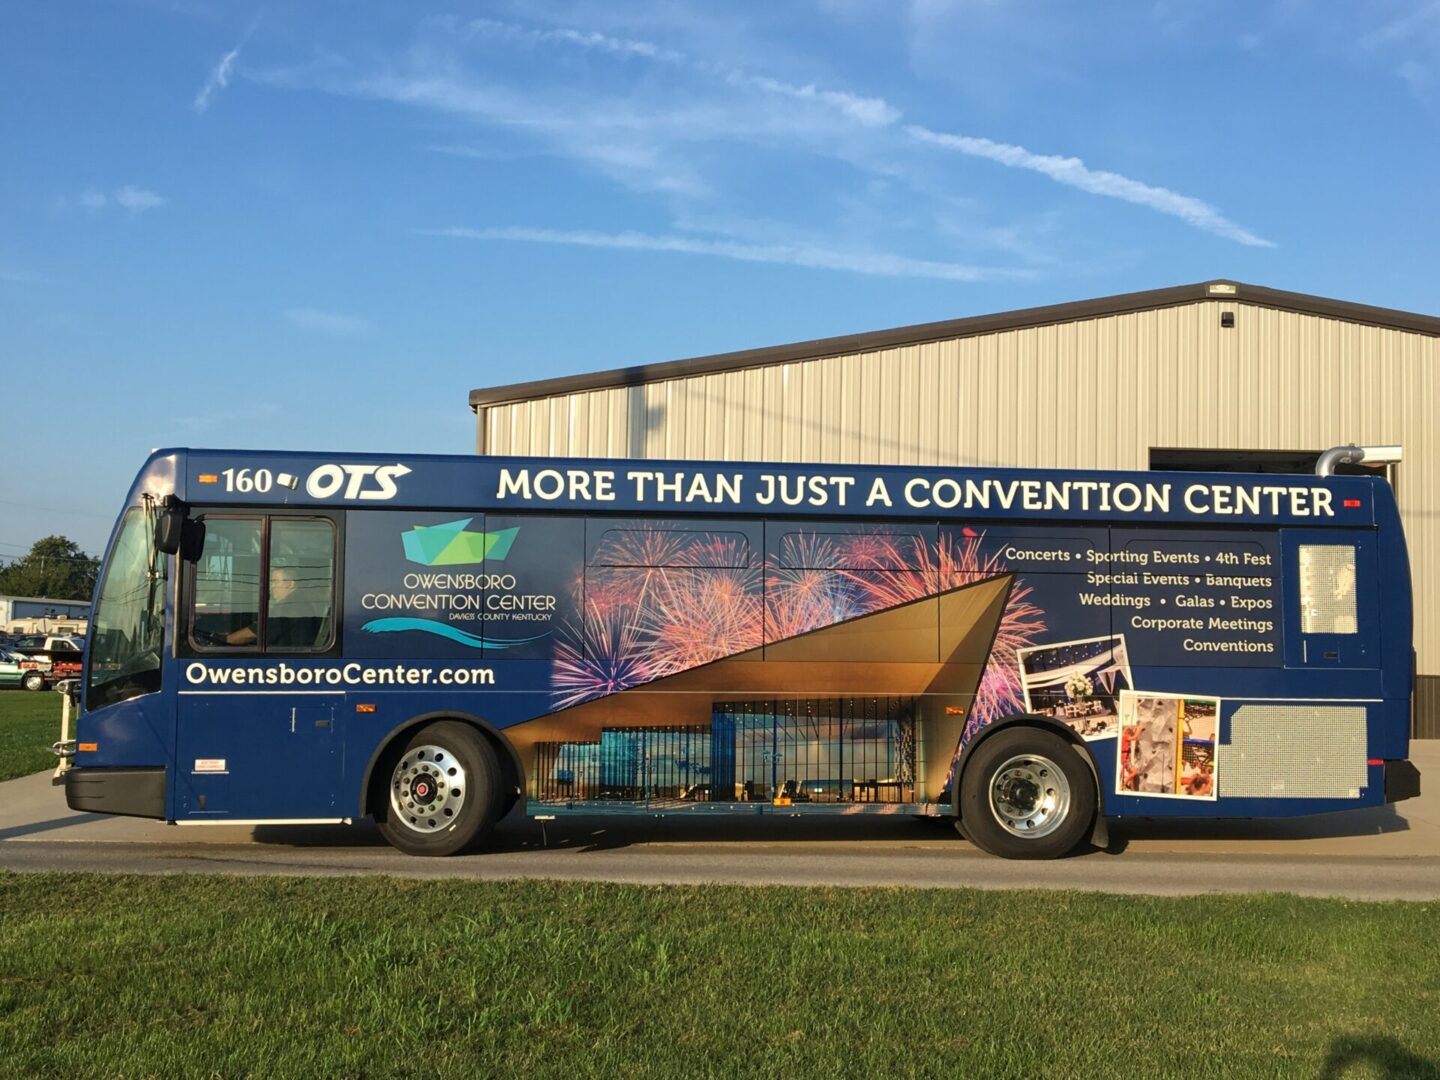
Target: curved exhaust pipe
[(1356, 455)]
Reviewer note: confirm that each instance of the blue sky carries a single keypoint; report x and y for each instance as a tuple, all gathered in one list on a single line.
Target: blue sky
[(320, 226)]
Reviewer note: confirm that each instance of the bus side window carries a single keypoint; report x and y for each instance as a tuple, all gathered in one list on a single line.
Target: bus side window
[(300, 606), (1327, 589), (226, 595)]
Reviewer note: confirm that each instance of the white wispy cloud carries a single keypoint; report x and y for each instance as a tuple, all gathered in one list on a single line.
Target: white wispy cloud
[(859, 262), (1404, 27), (130, 198), (219, 77), (656, 139), (464, 150), (1415, 75), (697, 135), (331, 323), (1073, 172), (634, 146), (531, 35), (1410, 44), (870, 111), (21, 277), (137, 199), (876, 112)]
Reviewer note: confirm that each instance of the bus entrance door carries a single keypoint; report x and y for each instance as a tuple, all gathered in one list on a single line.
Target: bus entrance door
[(255, 757), (1331, 607)]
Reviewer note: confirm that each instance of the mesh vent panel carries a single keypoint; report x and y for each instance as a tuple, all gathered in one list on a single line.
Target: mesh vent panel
[(1294, 752)]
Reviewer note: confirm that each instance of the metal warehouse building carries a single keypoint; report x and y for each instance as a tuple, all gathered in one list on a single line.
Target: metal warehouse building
[(1216, 375)]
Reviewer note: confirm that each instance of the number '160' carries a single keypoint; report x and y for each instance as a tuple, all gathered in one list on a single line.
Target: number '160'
[(245, 480)]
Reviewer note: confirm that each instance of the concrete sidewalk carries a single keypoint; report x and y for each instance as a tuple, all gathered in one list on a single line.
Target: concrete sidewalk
[(33, 811)]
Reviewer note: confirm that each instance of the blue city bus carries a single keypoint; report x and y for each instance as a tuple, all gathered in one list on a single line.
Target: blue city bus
[(432, 641)]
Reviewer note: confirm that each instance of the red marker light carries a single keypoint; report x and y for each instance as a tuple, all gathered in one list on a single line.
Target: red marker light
[(1351, 504)]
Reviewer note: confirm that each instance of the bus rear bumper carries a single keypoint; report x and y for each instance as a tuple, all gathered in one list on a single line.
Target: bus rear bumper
[(1402, 781), (133, 791)]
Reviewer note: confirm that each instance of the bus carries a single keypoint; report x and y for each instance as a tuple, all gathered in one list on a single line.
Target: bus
[(434, 641)]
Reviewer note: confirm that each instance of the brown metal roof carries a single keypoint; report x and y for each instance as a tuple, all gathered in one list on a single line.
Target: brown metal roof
[(956, 328)]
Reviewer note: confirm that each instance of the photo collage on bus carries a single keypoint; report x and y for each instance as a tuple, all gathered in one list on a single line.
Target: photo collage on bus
[(1167, 745)]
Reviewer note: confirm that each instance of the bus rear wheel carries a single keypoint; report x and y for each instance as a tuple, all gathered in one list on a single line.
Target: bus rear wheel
[(1027, 795), (444, 790)]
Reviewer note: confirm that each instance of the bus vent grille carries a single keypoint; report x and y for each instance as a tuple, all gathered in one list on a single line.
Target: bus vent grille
[(1294, 752)]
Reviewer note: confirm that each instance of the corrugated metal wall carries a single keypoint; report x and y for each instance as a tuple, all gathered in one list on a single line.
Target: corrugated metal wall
[(1094, 393)]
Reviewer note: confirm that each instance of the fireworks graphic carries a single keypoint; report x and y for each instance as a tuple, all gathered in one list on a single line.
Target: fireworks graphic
[(658, 600), (642, 547), (807, 591), (957, 560), (602, 656), (699, 616)]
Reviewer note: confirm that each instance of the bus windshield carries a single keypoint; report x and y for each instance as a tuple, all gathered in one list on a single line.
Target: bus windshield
[(129, 623)]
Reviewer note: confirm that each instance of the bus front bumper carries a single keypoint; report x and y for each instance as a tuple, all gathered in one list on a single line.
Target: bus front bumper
[(135, 791)]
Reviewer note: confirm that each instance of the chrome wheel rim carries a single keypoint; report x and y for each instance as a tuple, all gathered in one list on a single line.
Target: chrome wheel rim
[(1029, 796), (427, 789)]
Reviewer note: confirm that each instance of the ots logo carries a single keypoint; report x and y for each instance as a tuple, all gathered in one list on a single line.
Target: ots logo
[(451, 545), (359, 481)]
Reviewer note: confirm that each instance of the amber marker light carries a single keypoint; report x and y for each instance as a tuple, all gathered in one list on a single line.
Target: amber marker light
[(88, 747), (364, 708), (209, 478)]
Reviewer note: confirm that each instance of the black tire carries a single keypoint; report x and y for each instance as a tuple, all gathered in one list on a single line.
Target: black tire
[(1027, 795), (424, 812), (33, 680)]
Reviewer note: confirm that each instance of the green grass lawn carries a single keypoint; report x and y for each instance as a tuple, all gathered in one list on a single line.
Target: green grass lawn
[(29, 723), (224, 976)]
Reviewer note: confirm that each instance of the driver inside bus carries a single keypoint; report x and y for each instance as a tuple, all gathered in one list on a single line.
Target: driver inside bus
[(292, 621)]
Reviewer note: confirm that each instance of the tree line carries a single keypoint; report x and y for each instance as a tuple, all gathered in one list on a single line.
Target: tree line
[(54, 568)]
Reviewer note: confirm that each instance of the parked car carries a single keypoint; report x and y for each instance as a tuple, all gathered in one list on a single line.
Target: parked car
[(11, 673), (46, 658)]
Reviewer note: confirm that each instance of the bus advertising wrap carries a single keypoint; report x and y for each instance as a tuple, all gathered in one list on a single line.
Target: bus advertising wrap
[(673, 636)]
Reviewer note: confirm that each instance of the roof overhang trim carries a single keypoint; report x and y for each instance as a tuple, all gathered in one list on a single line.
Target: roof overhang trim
[(972, 326)]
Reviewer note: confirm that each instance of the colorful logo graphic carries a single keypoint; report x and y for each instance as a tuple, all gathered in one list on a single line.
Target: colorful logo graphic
[(450, 545), (445, 630)]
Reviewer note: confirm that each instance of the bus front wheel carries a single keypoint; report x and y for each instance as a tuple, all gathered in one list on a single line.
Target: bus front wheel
[(444, 790), (1027, 795)]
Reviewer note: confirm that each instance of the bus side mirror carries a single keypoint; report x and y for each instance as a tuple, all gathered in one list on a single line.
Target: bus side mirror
[(169, 524), (192, 541)]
